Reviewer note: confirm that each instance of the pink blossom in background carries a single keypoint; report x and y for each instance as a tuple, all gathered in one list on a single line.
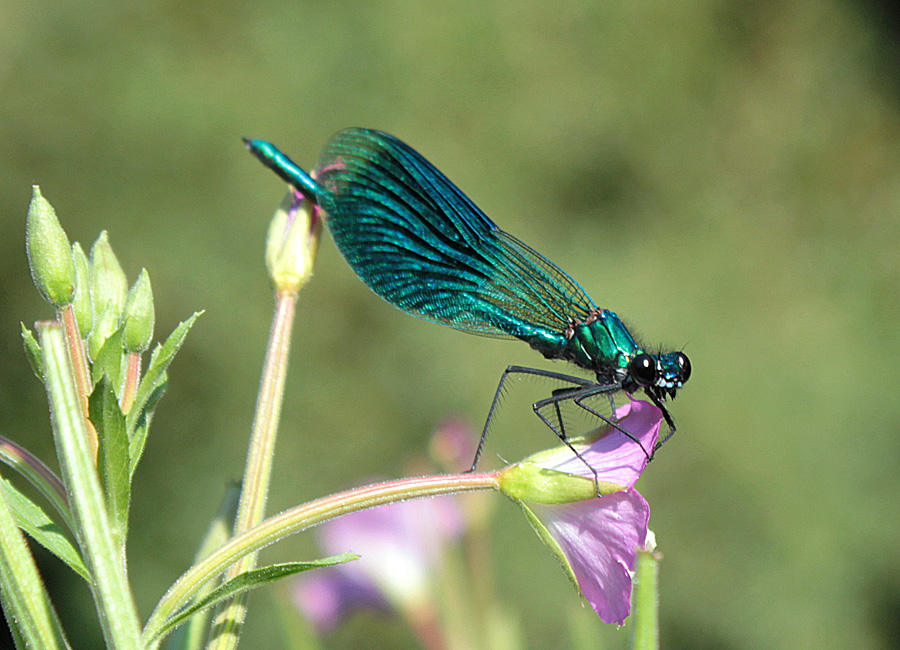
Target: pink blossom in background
[(400, 548)]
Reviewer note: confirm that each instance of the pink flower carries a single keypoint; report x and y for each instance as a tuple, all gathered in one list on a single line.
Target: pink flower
[(400, 548), (596, 539), (600, 539)]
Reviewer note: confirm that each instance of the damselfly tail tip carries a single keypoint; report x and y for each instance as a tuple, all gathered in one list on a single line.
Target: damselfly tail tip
[(252, 144)]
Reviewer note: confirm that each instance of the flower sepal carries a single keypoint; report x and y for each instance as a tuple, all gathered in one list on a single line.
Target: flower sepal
[(529, 482), (292, 243), (552, 545)]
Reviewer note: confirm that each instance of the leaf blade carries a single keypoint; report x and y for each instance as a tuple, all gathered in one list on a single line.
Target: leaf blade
[(245, 582), (112, 457), (151, 388), (32, 519)]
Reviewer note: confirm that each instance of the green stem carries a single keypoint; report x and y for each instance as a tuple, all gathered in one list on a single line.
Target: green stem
[(645, 614), (80, 371), (258, 470), (299, 518), (112, 593), (132, 380)]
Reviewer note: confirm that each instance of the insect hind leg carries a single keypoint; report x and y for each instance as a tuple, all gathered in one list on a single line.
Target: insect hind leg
[(558, 397), (523, 370)]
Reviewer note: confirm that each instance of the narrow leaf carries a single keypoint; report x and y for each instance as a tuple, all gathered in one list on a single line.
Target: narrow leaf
[(151, 388), (26, 603), (38, 474), (142, 424), (33, 520), (159, 362), (110, 361), (33, 352), (245, 582), (112, 458)]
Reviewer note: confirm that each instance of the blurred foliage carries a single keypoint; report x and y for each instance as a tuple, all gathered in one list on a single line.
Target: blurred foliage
[(724, 175)]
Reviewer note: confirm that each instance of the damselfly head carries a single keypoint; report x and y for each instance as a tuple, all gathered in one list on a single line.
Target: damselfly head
[(660, 375)]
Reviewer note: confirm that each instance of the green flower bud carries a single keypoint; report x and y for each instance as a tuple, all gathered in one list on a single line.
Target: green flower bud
[(108, 283), (529, 482), (49, 255), (105, 325), (84, 313), (138, 316), (292, 243)]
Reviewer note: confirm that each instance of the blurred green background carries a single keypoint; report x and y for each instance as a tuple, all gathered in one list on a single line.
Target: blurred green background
[(724, 175)]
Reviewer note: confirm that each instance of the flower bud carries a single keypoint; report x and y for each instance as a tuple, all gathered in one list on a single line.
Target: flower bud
[(138, 316), (292, 243), (105, 325), (49, 255), (108, 283), (84, 313)]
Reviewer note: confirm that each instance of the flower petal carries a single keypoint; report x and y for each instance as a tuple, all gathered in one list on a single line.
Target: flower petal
[(616, 457), (398, 544), (600, 538)]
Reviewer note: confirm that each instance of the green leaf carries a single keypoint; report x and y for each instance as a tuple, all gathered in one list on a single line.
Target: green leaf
[(24, 598), (110, 361), (151, 388), (38, 474), (142, 425), (33, 352), (245, 582), (112, 457), (34, 521)]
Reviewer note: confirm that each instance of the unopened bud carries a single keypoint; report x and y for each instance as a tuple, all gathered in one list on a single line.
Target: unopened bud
[(108, 283), (84, 311), (138, 315), (49, 255), (292, 243)]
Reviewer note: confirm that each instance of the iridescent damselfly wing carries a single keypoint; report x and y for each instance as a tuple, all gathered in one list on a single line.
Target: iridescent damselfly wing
[(421, 244)]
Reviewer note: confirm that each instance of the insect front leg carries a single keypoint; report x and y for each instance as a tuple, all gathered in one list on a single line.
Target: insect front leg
[(611, 421)]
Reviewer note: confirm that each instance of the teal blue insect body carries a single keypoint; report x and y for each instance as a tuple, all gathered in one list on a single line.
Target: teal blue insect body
[(421, 244)]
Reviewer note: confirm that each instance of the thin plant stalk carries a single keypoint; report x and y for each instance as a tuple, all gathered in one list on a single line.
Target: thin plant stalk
[(645, 612), (103, 556), (80, 371), (132, 380), (258, 470), (38, 474), (299, 518)]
